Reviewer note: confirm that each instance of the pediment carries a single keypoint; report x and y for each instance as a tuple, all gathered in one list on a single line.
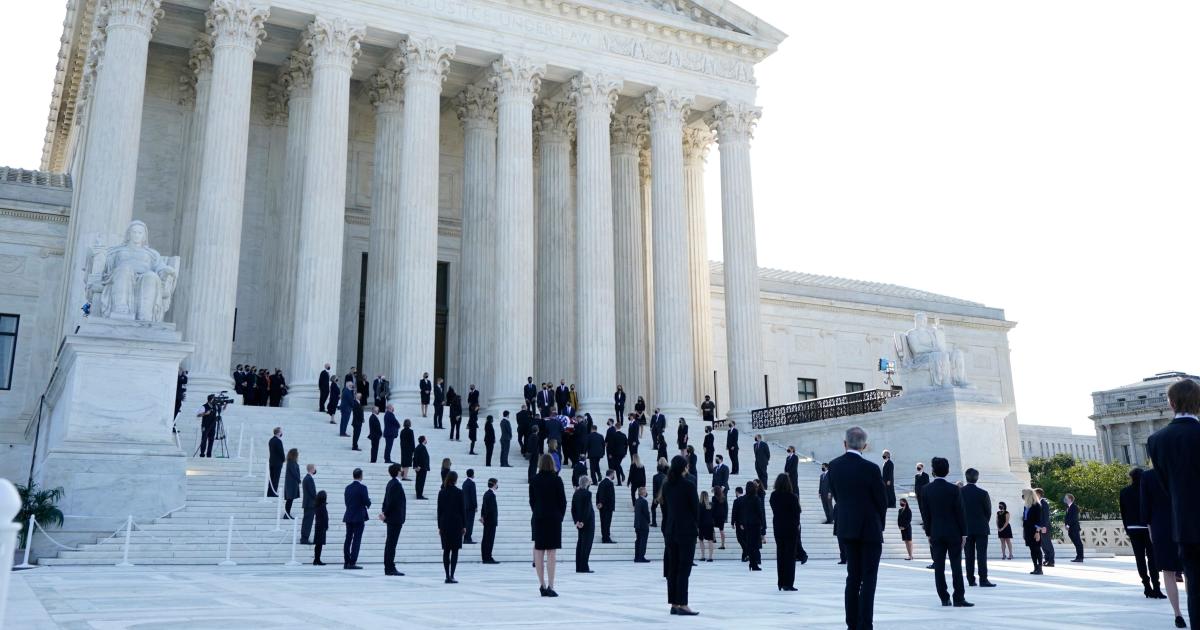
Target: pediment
[(720, 14)]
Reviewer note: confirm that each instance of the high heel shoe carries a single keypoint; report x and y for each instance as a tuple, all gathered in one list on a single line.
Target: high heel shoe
[(1179, 622)]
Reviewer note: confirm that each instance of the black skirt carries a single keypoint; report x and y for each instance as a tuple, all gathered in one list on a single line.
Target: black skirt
[(452, 540), (1006, 532), (547, 533), (906, 534), (424, 398)]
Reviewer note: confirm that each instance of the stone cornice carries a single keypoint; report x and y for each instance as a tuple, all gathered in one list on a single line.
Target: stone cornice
[(45, 217)]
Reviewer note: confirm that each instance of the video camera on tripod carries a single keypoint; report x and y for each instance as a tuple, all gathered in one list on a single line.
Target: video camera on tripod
[(215, 432)]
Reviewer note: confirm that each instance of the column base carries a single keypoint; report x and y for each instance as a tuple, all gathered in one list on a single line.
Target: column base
[(408, 405), (602, 408), (499, 404), (201, 385), (303, 395), (675, 411), (741, 417)]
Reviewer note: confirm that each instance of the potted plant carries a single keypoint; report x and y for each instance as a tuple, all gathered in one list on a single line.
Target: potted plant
[(41, 505)]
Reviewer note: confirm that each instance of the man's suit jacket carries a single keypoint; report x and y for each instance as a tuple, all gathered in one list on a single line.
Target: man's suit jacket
[(530, 390), (439, 394), (309, 497), (562, 395), (977, 506), (490, 513), (470, 499), (791, 466), (620, 445), (889, 475), (323, 381), (1131, 506), (275, 446), (395, 507), (944, 503), (762, 453), (619, 399), (1173, 450), (472, 399), (1045, 520), (635, 434), (710, 442), (391, 426), (421, 457), (857, 486), (823, 484), (357, 501), (641, 515), (524, 421), (731, 439), (347, 403), (1072, 518), (505, 430), (374, 431), (545, 398), (721, 477), (606, 496)]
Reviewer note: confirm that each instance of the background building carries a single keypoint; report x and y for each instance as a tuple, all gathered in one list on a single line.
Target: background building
[(1126, 416), (1048, 441)]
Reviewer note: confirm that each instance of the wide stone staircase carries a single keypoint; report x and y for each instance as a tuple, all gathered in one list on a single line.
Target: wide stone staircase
[(220, 488)]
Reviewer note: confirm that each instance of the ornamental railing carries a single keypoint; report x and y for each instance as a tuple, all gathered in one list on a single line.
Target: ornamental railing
[(854, 403), (35, 178)]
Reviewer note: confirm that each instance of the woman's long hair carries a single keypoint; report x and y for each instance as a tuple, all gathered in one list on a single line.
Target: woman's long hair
[(322, 498), (678, 469), (783, 483), (704, 502), (1029, 497), (451, 479), (545, 463), (445, 463), (293, 455)]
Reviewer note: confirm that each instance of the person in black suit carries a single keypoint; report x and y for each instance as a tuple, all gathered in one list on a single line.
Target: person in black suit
[(391, 430), (323, 387), (1156, 512), (606, 503), (548, 501), (489, 440), (641, 526), (1173, 450), (619, 401), (635, 435), (275, 460), (889, 480), (524, 424), (529, 392), (346, 406), (1047, 539), (735, 512), (584, 518), (857, 486), (321, 514), (562, 395), (308, 501), (681, 514), (710, 448), (977, 508), (374, 433), (545, 400), (421, 466), (762, 457), (595, 452), (470, 506), (1071, 521), (751, 523), (785, 522), (454, 402), (731, 446), (1031, 528), (356, 422), (791, 467), (506, 435), (904, 524), (826, 498), (489, 517), (620, 447), (1134, 520), (452, 524), (357, 501), (720, 474), (426, 389), (947, 529), (439, 402), (393, 515), (708, 411), (637, 477)]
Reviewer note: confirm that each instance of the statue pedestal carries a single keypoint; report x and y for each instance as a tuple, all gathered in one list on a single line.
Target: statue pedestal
[(107, 436)]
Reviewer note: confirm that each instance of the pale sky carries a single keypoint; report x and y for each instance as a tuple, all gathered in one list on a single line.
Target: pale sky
[(1037, 156)]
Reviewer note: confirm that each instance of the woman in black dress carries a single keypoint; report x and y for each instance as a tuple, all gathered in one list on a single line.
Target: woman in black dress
[(1004, 531), (1030, 529), (720, 512), (454, 401), (335, 397), (904, 524), (751, 520), (637, 477), (785, 521), (548, 500), (321, 512), (472, 431), (681, 513), (681, 434), (408, 445), (291, 482), (705, 528), (1156, 509), (452, 523)]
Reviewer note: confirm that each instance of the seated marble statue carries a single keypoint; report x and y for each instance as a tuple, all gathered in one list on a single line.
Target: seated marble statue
[(136, 282), (926, 359)]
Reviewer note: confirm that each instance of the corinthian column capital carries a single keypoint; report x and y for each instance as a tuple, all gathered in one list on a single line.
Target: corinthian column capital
[(554, 120), (594, 91), (296, 72), (696, 141), (628, 132), (334, 41), (477, 106), (386, 89), (735, 122), (517, 78), (238, 23), (139, 14), (666, 106), (425, 59)]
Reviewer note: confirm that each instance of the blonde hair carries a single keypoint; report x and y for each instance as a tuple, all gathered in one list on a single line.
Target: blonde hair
[(704, 499), (1029, 497), (545, 463)]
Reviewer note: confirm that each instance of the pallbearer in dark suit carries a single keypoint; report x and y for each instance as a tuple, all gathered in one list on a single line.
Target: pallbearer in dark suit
[(275, 460), (585, 523), (731, 446), (374, 433), (977, 508), (889, 480), (489, 517), (426, 389), (947, 527), (606, 502), (470, 506), (785, 521), (308, 501), (857, 486), (421, 465), (595, 453), (357, 501), (451, 522), (323, 387), (1071, 521), (395, 509), (641, 525)]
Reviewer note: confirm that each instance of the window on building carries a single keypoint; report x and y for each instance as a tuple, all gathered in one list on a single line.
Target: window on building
[(1125, 453), (806, 388), (8, 348), (852, 387)]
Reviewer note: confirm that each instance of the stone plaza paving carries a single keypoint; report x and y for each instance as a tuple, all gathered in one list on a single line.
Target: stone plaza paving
[(1099, 594)]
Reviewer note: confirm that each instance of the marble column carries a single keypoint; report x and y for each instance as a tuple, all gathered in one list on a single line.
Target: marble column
[(296, 80), (673, 351), (695, 146), (199, 77), (629, 253), (734, 123), (386, 92), (554, 122), (644, 176), (334, 46), (236, 28), (414, 257), (517, 81), (594, 94), (105, 188), (477, 112)]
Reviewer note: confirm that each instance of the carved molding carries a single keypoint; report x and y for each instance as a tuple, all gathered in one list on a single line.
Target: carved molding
[(696, 141), (334, 41), (476, 106), (139, 14), (629, 132), (34, 216), (517, 78), (199, 63), (385, 90), (734, 122), (296, 73), (239, 23), (594, 91), (667, 106), (426, 59), (554, 121)]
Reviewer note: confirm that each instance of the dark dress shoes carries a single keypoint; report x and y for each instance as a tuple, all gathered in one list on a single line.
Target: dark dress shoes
[(352, 567), (963, 604), (945, 602), (985, 583)]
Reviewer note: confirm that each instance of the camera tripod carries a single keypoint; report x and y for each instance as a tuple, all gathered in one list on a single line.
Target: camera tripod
[(219, 442)]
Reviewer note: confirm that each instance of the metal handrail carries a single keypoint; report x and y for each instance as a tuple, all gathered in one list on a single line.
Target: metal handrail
[(854, 403)]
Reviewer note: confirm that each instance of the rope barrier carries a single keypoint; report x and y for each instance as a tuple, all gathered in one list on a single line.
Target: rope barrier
[(250, 467), (128, 535), (152, 536), (241, 431), (228, 561), (295, 537)]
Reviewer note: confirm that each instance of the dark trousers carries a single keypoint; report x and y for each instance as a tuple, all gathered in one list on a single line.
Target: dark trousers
[(374, 450), (1035, 554), (356, 431), (389, 547), (487, 453), (943, 548), (583, 546), (708, 459), (862, 570), (387, 450), (653, 512), (306, 524), (1073, 534), (639, 544), (606, 525), (733, 462), (976, 551), (1047, 548), (469, 526), (1190, 555), (761, 469), (208, 433), (437, 416), (421, 482), (354, 532), (616, 465), (504, 452), (455, 427), (679, 570), (827, 506), (345, 422), (275, 468), (785, 559), (594, 469), (324, 397), (1143, 554), (489, 541)]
